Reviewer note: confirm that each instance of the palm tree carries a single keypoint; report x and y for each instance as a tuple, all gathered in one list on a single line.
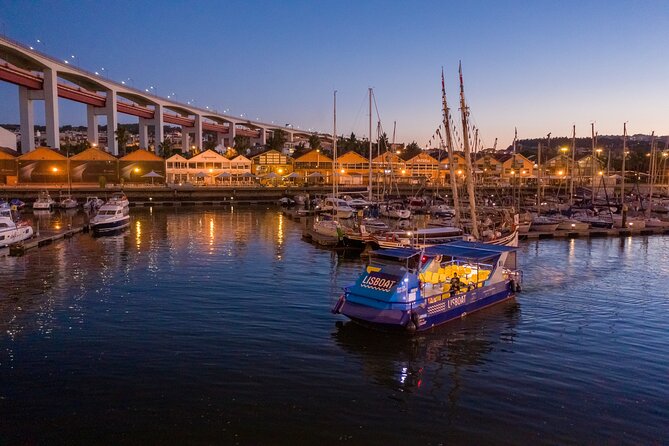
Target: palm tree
[(165, 148), (314, 142), (123, 137)]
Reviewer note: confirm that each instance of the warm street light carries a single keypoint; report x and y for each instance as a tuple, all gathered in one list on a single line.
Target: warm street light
[(564, 149), (55, 169)]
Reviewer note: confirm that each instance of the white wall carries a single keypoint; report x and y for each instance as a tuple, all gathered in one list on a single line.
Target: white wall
[(7, 139)]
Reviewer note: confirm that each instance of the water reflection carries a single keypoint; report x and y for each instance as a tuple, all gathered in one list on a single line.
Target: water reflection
[(431, 360)]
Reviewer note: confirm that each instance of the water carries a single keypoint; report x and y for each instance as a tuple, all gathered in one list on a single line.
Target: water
[(213, 327)]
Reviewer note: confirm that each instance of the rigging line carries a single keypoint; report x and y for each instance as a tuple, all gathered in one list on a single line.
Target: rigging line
[(378, 115), (357, 115)]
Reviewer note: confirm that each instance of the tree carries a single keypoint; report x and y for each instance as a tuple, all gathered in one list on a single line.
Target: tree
[(383, 143), (123, 137), (209, 145), (165, 148), (300, 150), (411, 150), (314, 142), (242, 143), (277, 140)]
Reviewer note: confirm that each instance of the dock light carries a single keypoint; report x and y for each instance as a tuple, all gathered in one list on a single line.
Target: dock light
[(342, 171), (459, 172), (55, 169), (564, 149), (280, 171), (404, 171), (409, 233), (560, 172), (232, 198), (598, 151), (573, 225), (211, 170), (136, 169), (601, 173), (150, 198), (513, 172)]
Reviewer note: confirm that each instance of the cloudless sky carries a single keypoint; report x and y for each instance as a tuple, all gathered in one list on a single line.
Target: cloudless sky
[(539, 65)]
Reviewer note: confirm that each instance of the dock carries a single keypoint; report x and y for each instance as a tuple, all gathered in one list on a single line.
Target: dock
[(593, 233), (43, 239)]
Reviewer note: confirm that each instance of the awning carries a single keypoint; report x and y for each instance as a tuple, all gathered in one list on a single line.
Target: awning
[(152, 174), (468, 250)]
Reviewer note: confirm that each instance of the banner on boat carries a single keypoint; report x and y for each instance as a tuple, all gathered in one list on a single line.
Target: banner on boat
[(379, 281)]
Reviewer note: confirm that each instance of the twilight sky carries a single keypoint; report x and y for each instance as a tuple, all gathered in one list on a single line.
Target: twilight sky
[(537, 65)]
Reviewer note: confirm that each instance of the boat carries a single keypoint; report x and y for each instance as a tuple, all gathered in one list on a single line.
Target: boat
[(357, 203), (374, 224), (394, 210), (442, 211), (16, 203), (655, 222), (44, 201), (570, 224), (111, 217), (417, 238), (12, 229), (407, 289), (120, 199), (93, 203), (337, 207), (544, 224), (286, 202), (68, 202), (329, 228)]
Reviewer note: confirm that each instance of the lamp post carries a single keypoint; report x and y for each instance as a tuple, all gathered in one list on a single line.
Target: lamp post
[(136, 170)]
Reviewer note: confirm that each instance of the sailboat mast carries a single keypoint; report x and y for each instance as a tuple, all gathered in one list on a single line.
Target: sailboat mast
[(468, 159), (622, 184), (592, 160), (370, 145), (651, 172), (573, 164), (449, 142), (334, 152)]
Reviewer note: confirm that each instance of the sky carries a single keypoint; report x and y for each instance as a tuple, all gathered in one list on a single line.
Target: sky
[(539, 66)]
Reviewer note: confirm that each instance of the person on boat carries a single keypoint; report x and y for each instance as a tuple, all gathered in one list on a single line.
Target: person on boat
[(455, 284)]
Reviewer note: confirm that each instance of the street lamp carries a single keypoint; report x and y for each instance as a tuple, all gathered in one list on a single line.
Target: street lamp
[(136, 170)]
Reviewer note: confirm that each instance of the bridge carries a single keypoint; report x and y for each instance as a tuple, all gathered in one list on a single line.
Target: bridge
[(42, 77)]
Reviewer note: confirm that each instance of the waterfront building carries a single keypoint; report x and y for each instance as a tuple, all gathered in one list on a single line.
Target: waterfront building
[(388, 164), (583, 167), (488, 168), (314, 167), (422, 167), (516, 166), (557, 168), (352, 168), (42, 165), (176, 169), (92, 164), (271, 161), (458, 164), (134, 165), (8, 168), (209, 168)]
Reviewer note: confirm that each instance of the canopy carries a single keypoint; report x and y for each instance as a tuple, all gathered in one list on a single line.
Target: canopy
[(152, 174), (200, 175), (224, 175), (248, 175), (293, 175), (272, 175), (468, 250), (315, 175)]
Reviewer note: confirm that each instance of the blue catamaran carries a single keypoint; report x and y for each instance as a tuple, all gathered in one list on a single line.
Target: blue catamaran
[(415, 290)]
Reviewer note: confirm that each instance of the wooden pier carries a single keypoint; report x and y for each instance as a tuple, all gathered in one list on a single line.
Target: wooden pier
[(44, 238), (592, 233)]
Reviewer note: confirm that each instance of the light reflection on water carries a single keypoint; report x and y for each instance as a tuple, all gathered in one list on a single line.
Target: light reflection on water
[(213, 325)]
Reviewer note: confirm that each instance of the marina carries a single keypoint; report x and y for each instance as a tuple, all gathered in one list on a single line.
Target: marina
[(152, 337)]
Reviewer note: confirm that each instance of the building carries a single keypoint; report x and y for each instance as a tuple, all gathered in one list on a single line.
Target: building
[(135, 165), (91, 165), (314, 166), (271, 161), (423, 167), (7, 139)]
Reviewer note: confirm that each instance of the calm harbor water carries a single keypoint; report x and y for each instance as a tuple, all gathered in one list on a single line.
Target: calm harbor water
[(212, 326)]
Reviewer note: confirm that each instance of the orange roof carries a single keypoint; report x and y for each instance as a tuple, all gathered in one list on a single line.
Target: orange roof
[(141, 155), (6, 156), (388, 157), (93, 154), (352, 157), (422, 158), (43, 153), (313, 157)]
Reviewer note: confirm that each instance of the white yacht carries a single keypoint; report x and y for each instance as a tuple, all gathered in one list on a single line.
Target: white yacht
[(394, 210), (68, 202), (120, 199), (44, 201), (110, 217), (93, 203), (12, 230)]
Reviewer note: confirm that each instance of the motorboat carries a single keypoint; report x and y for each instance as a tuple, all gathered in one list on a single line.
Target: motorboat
[(286, 201), (570, 224), (68, 202), (655, 222), (111, 217), (544, 224), (417, 238), (408, 289), (374, 224), (358, 203), (93, 203), (16, 203), (120, 199), (12, 229), (394, 210), (44, 201), (337, 207), (442, 211)]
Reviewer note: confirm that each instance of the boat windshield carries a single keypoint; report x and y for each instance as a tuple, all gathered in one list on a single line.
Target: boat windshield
[(407, 258)]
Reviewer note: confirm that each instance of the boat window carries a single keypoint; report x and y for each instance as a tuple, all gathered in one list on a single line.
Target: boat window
[(4, 225)]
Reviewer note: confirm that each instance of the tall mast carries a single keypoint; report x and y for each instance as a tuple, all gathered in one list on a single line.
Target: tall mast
[(449, 142), (513, 167), (334, 152), (469, 172), (370, 145), (651, 173), (592, 161), (573, 164), (622, 185)]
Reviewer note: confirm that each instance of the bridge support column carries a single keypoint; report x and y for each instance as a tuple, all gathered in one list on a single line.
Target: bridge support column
[(143, 133), (220, 139), (51, 108), (92, 125), (112, 121), (158, 130), (232, 132), (198, 132), (185, 144), (291, 136), (27, 116), (263, 136)]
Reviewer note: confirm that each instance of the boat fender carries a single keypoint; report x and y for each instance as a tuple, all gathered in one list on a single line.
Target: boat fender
[(514, 286), (412, 325)]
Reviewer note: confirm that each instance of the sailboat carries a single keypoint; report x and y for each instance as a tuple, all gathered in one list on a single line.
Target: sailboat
[(66, 200), (330, 226)]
